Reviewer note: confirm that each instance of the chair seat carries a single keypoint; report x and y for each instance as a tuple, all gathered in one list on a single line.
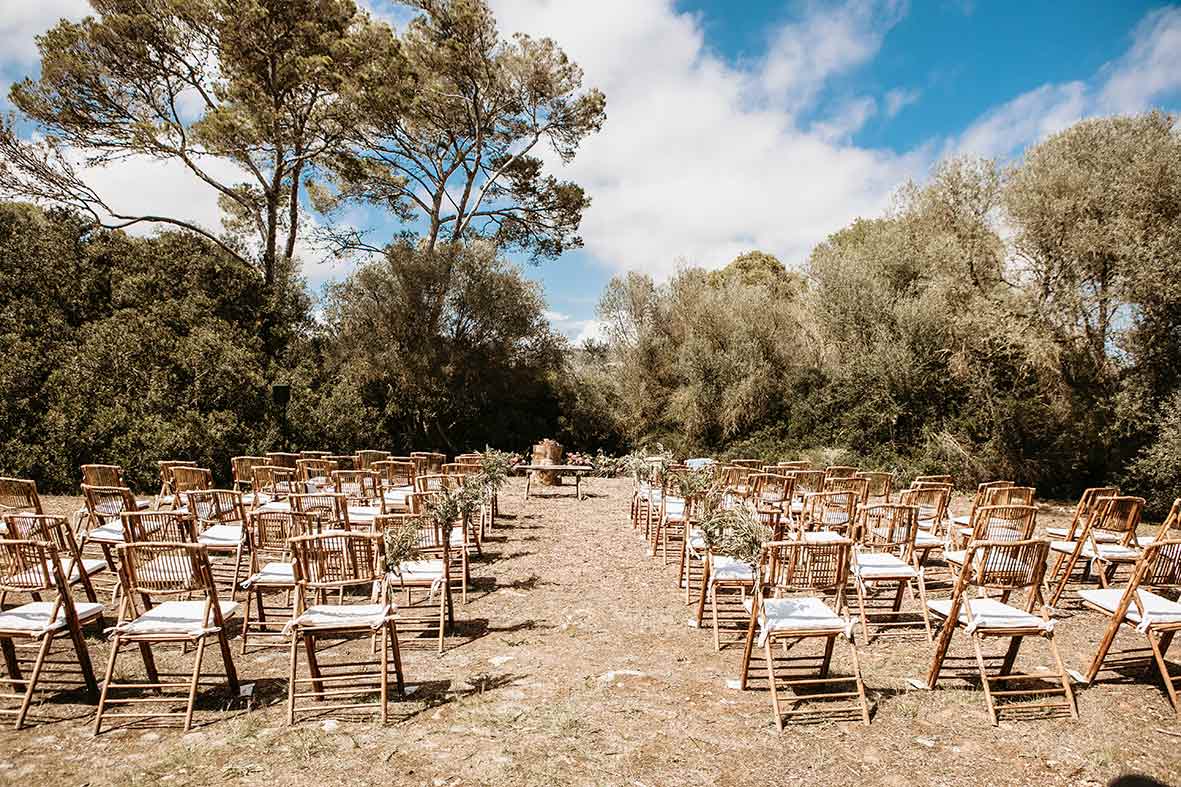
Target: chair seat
[(926, 540), (251, 499), (881, 565), (989, 614), (275, 574), (799, 614), (106, 534), (398, 495), (1062, 532), (343, 616), (221, 536), (1112, 552), (415, 571), (1160, 610), (962, 519), (955, 556), (697, 539), (823, 536), (33, 618), (724, 568), (185, 618), (674, 509)]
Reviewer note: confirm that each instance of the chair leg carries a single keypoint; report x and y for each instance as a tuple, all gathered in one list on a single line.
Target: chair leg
[(193, 683), (864, 615), (826, 663), (10, 661), (42, 652), (923, 605), (227, 657), (704, 589), (116, 643), (941, 647), (385, 675), (860, 683), (250, 595), (1104, 647), (771, 681), (748, 647), (1066, 687), (984, 680), (291, 679), (398, 674), (713, 598), (1163, 666)]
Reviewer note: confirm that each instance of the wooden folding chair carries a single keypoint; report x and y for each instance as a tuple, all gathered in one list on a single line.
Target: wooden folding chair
[(242, 471), (167, 493), (931, 503), (329, 562), (790, 606), (273, 483), (55, 530), (979, 501), (328, 511), (343, 461), (829, 512), (1156, 617), (188, 478), (880, 485), (858, 486), (102, 475), (839, 471), (102, 523), (19, 496), (221, 526), (272, 572), (191, 614), (360, 487), (366, 458), (282, 459), (429, 566), (1107, 541), (316, 474), (33, 568), (995, 523), (432, 462), (1005, 566), (884, 554), (673, 517)]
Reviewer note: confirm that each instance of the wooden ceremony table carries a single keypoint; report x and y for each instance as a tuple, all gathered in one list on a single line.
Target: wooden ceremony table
[(578, 471)]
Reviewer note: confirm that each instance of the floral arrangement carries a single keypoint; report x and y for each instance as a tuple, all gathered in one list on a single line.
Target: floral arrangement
[(735, 532)]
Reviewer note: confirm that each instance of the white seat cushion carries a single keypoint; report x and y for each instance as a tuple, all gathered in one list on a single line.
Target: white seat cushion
[(674, 509), (177, 617), (728, 569), (697, 539), (225, 536), (802, 613), (823, 536), (955, 556), (988, 613), (363, 514), (343, 616), (1113, 552), (962, 519), (250, 499), (925, 540), (1102, 537), (275, 574), (397, 495), (33, 617), (419, 570), (1159, 609), (881, 565), (106, 534)]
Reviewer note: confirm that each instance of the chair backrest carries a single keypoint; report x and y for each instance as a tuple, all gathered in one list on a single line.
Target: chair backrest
[(330, 511), (270, 531), (326, 561), (858, 486), (159, 526), (166, 466), (796, 464), (368, 457), (808, 481), (1087, 504), (394, 473), (32, 566), (888, 527), (839, 471), (788, 567), (186, 478), (434, 482), (163, 568), (1010, 496), (343, 461), (459, 468), (316, 470), (770, 488), (107, 502), (734, 476), (753, 464), (1159, 567), (931, 502), (1003, 523), (426, 536), (879, 484), (1118, 516), (1004, 565), (1170, 528), (829, 510), (242, 469), (217, 506), (52, 530), (282, 459), (102, 475), (274, 481), (431, 462), (358, 486), (936, 479), (315, 454), (19, 494)]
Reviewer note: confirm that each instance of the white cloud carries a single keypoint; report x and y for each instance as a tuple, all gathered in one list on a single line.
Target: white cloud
[(898, 99), (1144, 75), (22, 20)]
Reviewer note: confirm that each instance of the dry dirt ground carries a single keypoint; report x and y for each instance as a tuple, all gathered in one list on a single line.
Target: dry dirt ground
[(573, 664)]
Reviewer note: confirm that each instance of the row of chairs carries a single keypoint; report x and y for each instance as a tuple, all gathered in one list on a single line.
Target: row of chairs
[(824, 542)]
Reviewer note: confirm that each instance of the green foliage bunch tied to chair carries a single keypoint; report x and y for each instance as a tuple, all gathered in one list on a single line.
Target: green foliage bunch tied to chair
[(735, 532), (701, 486)]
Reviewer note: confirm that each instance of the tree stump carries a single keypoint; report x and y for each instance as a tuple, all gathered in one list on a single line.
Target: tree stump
[(547, 452)]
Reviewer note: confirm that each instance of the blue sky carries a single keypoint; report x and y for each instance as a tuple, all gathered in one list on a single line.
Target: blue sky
[(763, 125)]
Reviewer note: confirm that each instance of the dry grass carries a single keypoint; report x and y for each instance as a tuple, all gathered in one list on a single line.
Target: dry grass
[(573, 664)]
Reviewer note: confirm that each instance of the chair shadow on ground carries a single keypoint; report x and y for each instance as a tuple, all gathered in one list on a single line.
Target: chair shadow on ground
[(470, 630)]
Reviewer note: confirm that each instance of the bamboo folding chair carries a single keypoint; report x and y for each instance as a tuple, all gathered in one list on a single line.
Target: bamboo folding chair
[(460, 542), (272, 483), (188, 478), (242, 471), (979, 500), (221, 526), (101, 522), (19, 496), (366, 458), (167, 493), (673, 518), (858, 486), (315, 474), (789, 606), (191, 614), (429, 566), (880, 484), (1156, 617), (56, 531), (769, 489), (883, 554), (1168, 530), (931, 503), (396, 481), (828, 514), (1087, 505), (33, 568), (343, 461), (433, 461), (360, 487), (435, 482), (839, 471), (315, 454), (807, 481), (1005, 566), (995, 523), (723, 572), (335, 562), (272, 572), (1107, 541), (329, 511), (282, 459)]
